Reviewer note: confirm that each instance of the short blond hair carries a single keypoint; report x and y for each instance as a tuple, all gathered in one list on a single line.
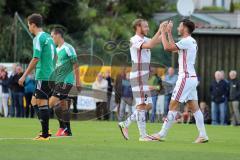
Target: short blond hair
[(137, 22)]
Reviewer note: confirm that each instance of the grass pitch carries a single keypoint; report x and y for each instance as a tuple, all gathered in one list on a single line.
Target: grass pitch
[(102, 141)]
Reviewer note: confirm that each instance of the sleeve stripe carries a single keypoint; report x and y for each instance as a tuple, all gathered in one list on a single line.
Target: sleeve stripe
[(177, 46), (38, 46), (73, 51), (68, 51)]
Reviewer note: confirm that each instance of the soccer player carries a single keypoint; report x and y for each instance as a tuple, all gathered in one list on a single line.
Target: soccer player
[(140, 55), (44, 53), (64, 80), (185, 89)]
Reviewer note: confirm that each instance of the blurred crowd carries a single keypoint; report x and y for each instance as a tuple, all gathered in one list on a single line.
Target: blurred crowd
[(15, 100), (12, 94), (221, 109), (225, 96)]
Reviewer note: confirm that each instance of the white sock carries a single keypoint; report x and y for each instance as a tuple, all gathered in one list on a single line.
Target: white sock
[(200, 123), (130, 119), (171, 116), (141, 122)]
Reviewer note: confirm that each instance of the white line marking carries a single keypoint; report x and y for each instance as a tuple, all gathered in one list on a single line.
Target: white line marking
[(23, 138)]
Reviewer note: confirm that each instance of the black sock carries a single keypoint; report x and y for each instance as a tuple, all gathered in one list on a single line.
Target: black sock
[(58, 111), (68, 127), (66, 119), (36, 109), (44, 119), (61, 124)]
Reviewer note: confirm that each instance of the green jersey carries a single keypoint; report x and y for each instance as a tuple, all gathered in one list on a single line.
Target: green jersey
[(44, 49), (66, 58)]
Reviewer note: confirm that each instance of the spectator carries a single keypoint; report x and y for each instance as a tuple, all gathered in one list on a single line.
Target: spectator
[(206, 113), (100, 87), (18, 91), (1, 70), (227, 120), (126, 98), (118, 87), (155, 84), (29, 89), (74, 99), (223, 76), (12, 106), (5, 92), (219, 94), (109, 91), (234, 97), (170, 78)]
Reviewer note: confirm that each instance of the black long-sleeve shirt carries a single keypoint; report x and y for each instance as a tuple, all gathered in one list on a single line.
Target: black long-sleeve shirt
[(234, 90), (13, 83), (5, 85), (219, 91)]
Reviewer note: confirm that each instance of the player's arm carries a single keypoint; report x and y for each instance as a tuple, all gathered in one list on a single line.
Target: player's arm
[(77, 76), (29, 69), (36, 56), (168, 44), (156, 39), (73, 57)]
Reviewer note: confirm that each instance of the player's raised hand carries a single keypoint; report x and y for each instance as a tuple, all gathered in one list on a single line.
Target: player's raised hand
[(163, 26), (169, 26)]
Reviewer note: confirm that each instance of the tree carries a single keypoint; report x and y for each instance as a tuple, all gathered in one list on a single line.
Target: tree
[(85, 21), (111, 22)]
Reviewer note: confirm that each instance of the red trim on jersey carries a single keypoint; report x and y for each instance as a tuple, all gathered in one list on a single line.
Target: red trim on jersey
[(186, 75), (185, 63)]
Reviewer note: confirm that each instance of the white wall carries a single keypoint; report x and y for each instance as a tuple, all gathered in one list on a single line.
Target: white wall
[(199, 4)]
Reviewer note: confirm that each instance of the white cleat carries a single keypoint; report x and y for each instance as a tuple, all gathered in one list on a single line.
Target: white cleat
[(201, 140), (124, 130), (157, 137), (147, 139)]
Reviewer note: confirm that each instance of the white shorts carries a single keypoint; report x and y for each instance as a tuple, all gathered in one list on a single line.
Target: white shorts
[(140, 89), (185, 89)]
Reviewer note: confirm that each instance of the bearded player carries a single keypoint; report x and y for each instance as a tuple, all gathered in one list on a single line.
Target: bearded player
[(140, 55)]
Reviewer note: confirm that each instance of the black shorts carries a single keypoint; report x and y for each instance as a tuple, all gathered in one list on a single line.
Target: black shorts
[(44, 89), (61, 90)]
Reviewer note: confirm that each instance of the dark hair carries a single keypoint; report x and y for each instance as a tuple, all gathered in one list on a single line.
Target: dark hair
[(58, 30), (6, 76), (189, 24), (36, 19), (137, 22)]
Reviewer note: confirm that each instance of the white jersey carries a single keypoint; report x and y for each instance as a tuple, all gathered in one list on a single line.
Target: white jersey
[(187, 56), (140, 57), (140, 70), (187, 82), (135, 48)]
